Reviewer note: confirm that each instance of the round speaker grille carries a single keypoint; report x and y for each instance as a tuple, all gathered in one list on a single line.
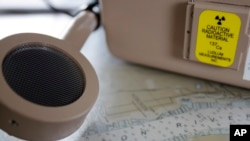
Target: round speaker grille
[(43, 75)]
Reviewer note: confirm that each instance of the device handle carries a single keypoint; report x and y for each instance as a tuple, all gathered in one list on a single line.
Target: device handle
[(80, 28)]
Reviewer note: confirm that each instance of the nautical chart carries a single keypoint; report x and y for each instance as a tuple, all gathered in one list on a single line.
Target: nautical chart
[(166, 108)]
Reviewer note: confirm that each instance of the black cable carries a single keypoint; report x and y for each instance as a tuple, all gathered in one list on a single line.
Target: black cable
[(53, 9), (93, 6), (70, 12), (27, 11)]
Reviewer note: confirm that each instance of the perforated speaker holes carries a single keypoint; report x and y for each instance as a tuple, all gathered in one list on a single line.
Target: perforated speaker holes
[(43, 75)]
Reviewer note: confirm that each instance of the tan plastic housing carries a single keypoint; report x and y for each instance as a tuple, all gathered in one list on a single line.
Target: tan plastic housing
[(161, 34), (30, 121)]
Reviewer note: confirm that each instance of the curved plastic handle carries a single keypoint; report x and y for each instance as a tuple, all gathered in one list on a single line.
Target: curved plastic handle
[(80, 28)]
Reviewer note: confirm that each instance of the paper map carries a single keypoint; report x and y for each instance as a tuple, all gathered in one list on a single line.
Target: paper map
[(177, 109)]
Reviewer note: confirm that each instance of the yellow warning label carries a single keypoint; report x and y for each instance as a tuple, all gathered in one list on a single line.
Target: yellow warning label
[(217, 37)]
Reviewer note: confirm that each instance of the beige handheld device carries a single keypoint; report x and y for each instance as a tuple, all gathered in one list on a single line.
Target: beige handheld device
[(208, 39), (47, 85)]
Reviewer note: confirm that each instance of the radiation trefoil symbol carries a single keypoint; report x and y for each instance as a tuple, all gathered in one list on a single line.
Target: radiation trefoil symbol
[(220, 19)]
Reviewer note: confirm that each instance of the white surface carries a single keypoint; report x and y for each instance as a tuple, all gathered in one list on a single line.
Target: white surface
[(24, 4)]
